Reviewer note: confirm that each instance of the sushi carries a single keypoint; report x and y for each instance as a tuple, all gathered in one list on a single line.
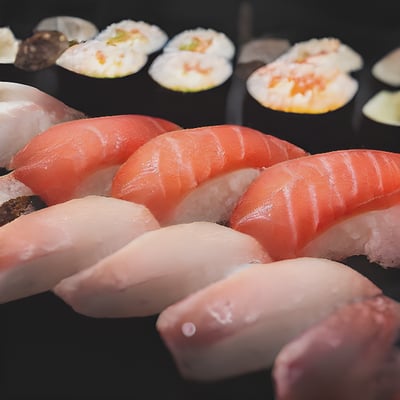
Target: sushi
[(349, 355), (326, 51), (98, 59), (387, 68), (187, 71), (74, 28), (198, 174), (332, 205), (140, 36), (202, 40), (9, 45), (239, 324), (138, 281), (78, 158), (26, 111), (41, 248), (301, 87)]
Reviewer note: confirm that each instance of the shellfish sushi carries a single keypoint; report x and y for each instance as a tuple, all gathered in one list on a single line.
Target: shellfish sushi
[(387, 69), (202, 40), (308, 105)]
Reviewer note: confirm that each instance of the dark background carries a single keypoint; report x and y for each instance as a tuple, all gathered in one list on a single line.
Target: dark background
[(47, 350)]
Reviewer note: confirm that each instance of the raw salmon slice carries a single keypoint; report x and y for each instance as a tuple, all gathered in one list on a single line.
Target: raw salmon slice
[(168, 173), (331, 205), (79, 157)]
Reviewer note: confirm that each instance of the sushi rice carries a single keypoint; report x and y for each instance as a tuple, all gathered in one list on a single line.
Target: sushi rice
[(139, 35), (201, 40), (98, 59), (301, 88), (187, 71)]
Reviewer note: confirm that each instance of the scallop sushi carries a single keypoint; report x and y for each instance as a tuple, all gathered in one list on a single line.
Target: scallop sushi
[(333, 205), (306, 104), (198, 174)]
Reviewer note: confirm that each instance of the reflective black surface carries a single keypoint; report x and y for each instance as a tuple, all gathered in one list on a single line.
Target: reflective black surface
[(46, 349)]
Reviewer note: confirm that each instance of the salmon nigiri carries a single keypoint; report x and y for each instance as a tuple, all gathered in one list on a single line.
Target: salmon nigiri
[(41, 248), (239, 324), (350, 355), (77, 158), (26, 111), (138, 281), (198, 173), (331, 205)]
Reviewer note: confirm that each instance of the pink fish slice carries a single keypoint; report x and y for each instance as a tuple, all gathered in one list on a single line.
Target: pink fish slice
[(239, 324), (350, 355)]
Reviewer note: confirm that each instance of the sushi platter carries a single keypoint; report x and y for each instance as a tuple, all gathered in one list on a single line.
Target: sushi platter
[(190, 214)]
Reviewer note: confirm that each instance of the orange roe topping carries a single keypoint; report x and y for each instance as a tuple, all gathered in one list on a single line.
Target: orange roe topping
[(100, 56)]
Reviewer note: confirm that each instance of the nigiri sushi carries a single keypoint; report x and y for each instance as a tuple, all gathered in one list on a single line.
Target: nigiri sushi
[(332, 205), (9, 45), (239, 324), (199, 173), (78, 158), (350, 355), (26, 111), (138, 281), (41, 248), (386, 69)]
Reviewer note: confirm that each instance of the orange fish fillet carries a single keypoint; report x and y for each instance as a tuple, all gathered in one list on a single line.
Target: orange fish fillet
[(167, 168), (56, 162), (290, 204)]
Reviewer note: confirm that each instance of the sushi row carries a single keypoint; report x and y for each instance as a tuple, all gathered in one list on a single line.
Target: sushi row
[(230, 298)]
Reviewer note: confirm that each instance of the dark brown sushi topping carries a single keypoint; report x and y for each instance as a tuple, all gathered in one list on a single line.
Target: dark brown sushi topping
[(40, 50), (14, 208)]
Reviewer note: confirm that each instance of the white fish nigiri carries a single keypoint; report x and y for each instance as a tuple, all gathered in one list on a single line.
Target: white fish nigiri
[(26, 111), (41, 248), (159, 268), (238, 325), (350, 355)]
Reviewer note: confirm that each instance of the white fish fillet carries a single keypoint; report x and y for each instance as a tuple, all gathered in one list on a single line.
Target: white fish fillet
[(239, 324), (159, 268), (25, 111), (41, 248)]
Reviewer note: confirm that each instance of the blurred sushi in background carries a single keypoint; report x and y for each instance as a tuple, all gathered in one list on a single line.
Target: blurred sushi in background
[(202, 40), (387, 68), (8, 45), (192, 73), (306, 96)]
